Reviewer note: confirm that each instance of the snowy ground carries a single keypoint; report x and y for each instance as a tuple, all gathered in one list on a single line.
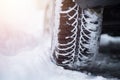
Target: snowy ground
[(25, 55), (35, 64)]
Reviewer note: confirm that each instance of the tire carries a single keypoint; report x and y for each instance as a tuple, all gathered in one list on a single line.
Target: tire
[(76, 34)]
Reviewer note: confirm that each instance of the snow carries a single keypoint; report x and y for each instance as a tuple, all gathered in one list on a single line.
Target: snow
[(57, 20), (35, 64), (27, 57), (106, 39)]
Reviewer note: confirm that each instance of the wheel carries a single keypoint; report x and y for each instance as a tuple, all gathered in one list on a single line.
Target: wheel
[(76, 34)]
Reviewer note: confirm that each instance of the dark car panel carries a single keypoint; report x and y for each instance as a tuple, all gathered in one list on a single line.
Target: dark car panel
[(111, 20), (96, 3)]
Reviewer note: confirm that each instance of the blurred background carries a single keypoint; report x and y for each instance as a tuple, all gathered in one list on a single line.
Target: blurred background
[(18, 19), (21, 31)]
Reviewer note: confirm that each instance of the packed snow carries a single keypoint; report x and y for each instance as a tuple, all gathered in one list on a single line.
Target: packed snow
[(25, 53)]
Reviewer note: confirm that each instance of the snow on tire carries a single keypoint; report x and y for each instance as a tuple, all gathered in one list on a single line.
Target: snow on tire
[(89, 35), (76, 34)]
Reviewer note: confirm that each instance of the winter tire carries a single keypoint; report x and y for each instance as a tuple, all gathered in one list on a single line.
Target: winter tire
[(76, 34)]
